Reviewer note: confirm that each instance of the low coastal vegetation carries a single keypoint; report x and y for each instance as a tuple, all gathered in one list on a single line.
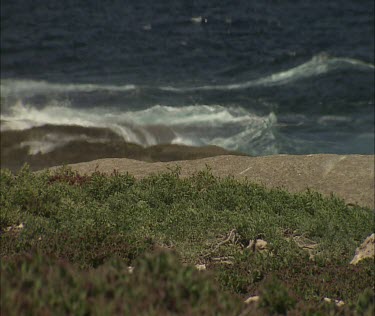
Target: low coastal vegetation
[(73, 244)]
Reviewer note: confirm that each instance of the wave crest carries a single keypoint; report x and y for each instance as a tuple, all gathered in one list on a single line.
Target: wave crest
[(318, 65)]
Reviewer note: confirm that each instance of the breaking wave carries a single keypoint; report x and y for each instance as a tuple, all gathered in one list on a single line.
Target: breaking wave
[(232, 128)]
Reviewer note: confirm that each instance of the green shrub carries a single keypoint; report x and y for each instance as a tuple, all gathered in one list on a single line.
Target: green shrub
[(159, 285), (87, 220), (366, 303), (275, 297)]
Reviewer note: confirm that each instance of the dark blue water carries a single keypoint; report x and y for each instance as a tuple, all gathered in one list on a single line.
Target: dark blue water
[(260, 77)]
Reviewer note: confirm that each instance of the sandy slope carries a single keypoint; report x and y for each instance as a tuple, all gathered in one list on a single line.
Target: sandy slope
[(350, 177)]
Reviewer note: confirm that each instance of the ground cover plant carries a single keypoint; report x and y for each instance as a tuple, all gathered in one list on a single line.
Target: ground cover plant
[(102, 245)]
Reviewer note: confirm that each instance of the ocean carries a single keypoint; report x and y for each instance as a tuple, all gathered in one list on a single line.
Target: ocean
[(257, 77)]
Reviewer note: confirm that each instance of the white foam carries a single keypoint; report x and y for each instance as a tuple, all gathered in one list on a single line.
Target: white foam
[(22, 116), (258, 132), (332, 119), (318, 65), (24, 87), (52, 141), (229, 127), (147, 27), (196, 19)]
